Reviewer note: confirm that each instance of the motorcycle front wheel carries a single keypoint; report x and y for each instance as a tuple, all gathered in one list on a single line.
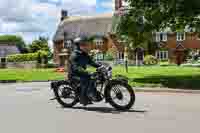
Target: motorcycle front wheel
[(120, 95), (65, 94)]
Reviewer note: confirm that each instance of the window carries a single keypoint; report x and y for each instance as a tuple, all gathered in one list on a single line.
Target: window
[(180, 36), (162, 55), (68, 44), (3, 60), (99, 42), (161, 36), (120, 55), (157, 37), (99, 56), (198, 37)]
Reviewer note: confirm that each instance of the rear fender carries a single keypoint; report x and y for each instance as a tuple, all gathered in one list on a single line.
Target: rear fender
[(55, 84)]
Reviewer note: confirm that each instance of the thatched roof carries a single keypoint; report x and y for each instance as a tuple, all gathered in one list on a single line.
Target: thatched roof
[(84, 25), (6, 49)]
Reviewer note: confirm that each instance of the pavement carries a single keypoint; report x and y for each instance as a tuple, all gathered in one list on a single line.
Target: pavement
[(26, 108)]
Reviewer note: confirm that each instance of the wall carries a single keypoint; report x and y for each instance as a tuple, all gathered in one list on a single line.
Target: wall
[(22, 65), (108, 44), (58, 46), (191, 41)]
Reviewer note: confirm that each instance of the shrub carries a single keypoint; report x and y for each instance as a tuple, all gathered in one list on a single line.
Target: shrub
[(22, 57), (109, 56), (93, 52), (51, 65), (42, 55), (150, 60), (29, 57)]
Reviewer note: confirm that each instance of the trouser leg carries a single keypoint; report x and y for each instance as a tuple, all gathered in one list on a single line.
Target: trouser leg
[(84, 86), (91, 88)]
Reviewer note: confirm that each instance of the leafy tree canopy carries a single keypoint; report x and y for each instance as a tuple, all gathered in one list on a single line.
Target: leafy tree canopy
[(18, 40), (143, 17), (40, 44), (177, 15)]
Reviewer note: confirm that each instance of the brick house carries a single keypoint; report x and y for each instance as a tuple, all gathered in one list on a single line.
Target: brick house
[(174, 46)]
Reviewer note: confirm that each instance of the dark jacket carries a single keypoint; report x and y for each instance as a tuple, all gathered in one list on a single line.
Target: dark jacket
[(78, 63)]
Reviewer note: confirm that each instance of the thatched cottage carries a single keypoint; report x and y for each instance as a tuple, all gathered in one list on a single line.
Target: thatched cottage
[(98, 26)]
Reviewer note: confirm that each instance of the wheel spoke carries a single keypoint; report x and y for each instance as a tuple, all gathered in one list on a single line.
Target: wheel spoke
[(69, 98), (121, 90)]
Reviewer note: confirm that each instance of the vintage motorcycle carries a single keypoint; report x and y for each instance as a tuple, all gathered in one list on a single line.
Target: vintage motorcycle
[(117, 92)]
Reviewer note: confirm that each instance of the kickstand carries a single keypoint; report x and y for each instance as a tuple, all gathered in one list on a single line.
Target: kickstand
[(53, 98)]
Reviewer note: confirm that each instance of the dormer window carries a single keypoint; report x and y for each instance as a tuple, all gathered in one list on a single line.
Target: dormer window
[(180, 36)]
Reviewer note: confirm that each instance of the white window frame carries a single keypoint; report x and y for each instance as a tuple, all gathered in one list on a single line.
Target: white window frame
[(99, 56), (162, 54), (198, 38), (120, 56), (158, 36), (164, 34), (99, 42), (180, 36)]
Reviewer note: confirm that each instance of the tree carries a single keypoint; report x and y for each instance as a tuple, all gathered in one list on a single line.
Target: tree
[(155, 15), (18, 40), (39, 44), (143, 17)]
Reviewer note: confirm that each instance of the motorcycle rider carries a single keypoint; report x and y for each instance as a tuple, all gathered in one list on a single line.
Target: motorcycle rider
[(79, 60)]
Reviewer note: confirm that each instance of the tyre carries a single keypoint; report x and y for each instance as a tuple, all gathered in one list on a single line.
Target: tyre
[(115, 95), (65, 94)]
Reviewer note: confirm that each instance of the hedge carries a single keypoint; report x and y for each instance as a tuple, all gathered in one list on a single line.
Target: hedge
[(109, 56), (27, 57)]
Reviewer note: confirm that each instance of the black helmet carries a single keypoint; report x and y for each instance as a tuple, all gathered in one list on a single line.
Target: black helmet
[(80, 40)]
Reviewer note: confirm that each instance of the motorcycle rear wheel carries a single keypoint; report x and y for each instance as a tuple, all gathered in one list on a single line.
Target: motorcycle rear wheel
[(64, 91)]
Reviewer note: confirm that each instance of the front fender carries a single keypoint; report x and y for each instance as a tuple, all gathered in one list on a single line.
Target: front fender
[(122, 78), (115, 81)]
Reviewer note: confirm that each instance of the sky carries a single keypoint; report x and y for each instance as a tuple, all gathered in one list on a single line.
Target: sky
[(33, 18)]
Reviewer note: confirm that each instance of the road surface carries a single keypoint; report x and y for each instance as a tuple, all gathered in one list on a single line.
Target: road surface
[(26, 108)]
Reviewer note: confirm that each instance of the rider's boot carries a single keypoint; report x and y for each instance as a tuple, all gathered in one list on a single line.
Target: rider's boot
[(96, 97), (85, 101)]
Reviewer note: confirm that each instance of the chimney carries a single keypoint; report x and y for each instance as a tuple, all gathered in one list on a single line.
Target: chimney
[(118, 4), (64, 14)]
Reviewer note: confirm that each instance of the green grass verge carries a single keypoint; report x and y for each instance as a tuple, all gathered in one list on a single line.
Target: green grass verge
[(151, 76), (155, 76), (30, 75)]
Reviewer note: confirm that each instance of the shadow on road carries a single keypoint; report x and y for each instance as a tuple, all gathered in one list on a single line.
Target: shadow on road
[(107, 110)]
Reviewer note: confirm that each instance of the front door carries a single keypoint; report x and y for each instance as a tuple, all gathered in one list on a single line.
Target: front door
[(180, 54), (139, 54)]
